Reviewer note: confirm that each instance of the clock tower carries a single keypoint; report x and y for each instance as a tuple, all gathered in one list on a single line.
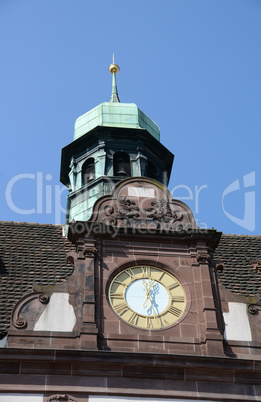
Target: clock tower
[(138, 312), (112, 142), (144, 278)]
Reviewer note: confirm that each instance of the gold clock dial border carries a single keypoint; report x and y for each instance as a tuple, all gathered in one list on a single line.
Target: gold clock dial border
[(167, 317)]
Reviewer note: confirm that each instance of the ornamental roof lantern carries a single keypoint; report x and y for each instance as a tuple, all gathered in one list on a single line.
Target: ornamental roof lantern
[(112, 142)]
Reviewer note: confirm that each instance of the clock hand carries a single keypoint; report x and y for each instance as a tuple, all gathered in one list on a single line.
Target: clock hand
[(145, 304), (149, 298), (148, 286)]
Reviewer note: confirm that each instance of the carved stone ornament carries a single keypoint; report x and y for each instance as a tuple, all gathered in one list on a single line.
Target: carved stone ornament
[(61, 398), (123, 210), (204, 259), (126, 213), (161, 211), (17, 318), (44, 298), (143, 203), (254, 308), (20, 323)]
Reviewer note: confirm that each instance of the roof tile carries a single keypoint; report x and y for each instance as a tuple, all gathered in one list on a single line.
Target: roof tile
[(29, 252)]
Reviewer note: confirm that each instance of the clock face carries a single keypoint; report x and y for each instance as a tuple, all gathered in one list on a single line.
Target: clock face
[(147, 297)]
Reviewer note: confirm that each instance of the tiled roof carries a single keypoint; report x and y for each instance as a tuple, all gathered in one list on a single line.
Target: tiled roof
[(241, 258), (32, 252), (29, 252)]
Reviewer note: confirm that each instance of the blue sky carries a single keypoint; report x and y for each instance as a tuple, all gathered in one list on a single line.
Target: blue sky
[(193, 66)]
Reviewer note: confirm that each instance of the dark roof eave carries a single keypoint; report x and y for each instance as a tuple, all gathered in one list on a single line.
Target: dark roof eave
[(93, 136)]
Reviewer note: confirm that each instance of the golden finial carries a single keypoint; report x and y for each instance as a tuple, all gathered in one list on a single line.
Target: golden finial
[(114, 68)]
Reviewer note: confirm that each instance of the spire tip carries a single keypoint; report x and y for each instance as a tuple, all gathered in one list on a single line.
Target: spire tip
[(114, 68)]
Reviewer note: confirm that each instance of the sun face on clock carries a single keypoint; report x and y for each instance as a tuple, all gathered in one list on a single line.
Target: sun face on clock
[(147, 297)]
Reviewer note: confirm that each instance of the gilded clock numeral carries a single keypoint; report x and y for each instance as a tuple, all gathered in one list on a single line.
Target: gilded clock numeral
[(119, 282), (161, 276), (175, 311), (178, 299), (149, 322), (163, 323), (133, 318), (173, 286), (121, 308), (160, 322), (117, 295), (130, 273), (166, 322), (146, 272)]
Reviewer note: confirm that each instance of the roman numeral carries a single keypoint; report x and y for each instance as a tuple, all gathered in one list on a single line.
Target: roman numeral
[(161, 276), (159, 319), (177, 299), (119, 282), (173, 286), (130, 273), (175, 311), (166, 322), (121, 308), (146, 272), (133, 318), (149, 322), (162, 322), (117, 295)]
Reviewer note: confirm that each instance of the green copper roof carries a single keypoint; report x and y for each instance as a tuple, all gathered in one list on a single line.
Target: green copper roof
[(115, 114)]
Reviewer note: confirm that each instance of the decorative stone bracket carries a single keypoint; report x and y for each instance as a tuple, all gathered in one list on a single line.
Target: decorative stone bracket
[(37, 298), (254, 308)]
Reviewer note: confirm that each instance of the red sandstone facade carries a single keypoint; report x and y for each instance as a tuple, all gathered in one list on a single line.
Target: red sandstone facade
[(101, 354)]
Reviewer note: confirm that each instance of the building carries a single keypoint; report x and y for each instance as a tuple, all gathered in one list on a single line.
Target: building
[(131, 300)]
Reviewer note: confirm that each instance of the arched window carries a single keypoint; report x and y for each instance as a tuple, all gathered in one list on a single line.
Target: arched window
[(151, 170), (121, 164), (88, 171)]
